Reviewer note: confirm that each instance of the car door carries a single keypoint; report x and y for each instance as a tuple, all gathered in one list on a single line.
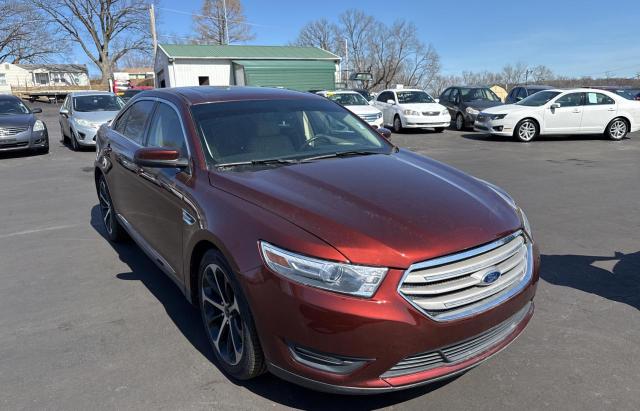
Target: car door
[(125, 183), (383, 106), (64, 117), (452, 104), (567, 117), (165, 213), (511, 98), (599, 109)]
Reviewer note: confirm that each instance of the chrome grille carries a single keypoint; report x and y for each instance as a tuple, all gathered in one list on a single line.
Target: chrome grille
[(430, 113), (12, 131), (470, 282), (458, 352), (369, 117)]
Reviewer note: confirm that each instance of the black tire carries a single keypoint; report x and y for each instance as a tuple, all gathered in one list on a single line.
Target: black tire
[(44, 149), (526, 130), (225, 314), (439, 129), (65, 139), (112, 227), (397, 124), (617, 129), (459, 122), (75, 146)]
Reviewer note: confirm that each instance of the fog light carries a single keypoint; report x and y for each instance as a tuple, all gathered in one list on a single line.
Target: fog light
[(498, 128), (326, 362)]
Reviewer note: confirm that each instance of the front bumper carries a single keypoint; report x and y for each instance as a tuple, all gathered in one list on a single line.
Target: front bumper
[(377, 123), (383, 331), (85, 136), (23, 141), (495, 127), (426, 121)]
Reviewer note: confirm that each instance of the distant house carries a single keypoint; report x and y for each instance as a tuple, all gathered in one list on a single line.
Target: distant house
[(500, 91), (133, 73), (42, 75), (297, 68)]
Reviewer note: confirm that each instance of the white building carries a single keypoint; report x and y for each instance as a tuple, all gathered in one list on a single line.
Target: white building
[(298, 68), (42, 75)]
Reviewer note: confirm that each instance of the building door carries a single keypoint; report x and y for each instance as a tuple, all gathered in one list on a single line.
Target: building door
[(203, 80)]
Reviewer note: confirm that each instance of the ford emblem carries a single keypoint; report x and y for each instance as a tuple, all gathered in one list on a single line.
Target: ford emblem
[(490, 277)]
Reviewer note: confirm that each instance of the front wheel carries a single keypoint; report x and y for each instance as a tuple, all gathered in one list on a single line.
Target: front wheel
[(526, 130), (617, 129), (227, 319), (75, 146), (397, 124)]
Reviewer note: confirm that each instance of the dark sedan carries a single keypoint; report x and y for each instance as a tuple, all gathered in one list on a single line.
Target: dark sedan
[(464, 104), (19, 127), (519, 93), (313, 247)]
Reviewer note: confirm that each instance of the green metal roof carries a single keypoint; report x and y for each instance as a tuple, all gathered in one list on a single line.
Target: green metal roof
[(246, 52)]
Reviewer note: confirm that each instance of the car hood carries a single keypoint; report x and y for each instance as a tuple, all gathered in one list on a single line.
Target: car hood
[(389, 210), (16, 120), (423, 107), (95, 116), (507, 108), (482, 104), (360, 110)]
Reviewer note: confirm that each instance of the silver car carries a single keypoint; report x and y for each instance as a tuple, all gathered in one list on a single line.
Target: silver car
[(83, 112)]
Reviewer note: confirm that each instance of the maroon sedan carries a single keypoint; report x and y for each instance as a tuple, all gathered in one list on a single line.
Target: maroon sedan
[(315, 248)]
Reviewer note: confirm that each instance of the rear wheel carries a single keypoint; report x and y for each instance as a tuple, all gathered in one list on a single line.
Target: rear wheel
[(227, 319), (526, 130), (114, 230), (459, 122), (397, 124), (617, 129)]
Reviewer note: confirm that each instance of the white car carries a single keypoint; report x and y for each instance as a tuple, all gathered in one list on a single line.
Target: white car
[(358, 105), (577, 111), (411, 108)]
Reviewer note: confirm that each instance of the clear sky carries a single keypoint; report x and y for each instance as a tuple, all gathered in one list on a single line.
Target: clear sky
[(572, 37)]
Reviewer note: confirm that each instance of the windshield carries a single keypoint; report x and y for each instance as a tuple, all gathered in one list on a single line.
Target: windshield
[(628, 93), (348, 99), (475, 94), (408, 97), (12, 106), (242, 131), (538, 99), (97, 102)]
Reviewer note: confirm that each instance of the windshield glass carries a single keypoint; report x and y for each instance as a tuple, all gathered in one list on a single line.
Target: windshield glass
[(409, 97), (475, 94), (12, 106), (348, 99), (628, 93), (538, 99), (97, 102), (281, 129)]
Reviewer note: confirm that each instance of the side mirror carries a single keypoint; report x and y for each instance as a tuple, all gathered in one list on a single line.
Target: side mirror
[(159, 158), (63, 111), (555, 105), (36, 110), (384, 132), (391, 101)]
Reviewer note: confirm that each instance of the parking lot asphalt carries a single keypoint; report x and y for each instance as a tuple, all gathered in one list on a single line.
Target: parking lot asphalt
[(88, 325)]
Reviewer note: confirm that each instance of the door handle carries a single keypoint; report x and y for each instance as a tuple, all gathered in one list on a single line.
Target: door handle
[(611, 109), (576, 110)]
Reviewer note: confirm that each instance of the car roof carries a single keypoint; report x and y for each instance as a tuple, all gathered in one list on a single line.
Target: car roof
[(339, 91), (8, 97), (90, 93), (536, 86), (403, 89), (217, 94)]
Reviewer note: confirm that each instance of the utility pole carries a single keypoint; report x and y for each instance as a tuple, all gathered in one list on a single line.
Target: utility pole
[(226, 26), (152, 21), (346, 61)]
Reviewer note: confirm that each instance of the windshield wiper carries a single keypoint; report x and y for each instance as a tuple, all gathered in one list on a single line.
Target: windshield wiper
[(340, 154), (258, 162)]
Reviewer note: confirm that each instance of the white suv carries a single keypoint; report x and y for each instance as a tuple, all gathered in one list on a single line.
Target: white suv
[(411, 108)]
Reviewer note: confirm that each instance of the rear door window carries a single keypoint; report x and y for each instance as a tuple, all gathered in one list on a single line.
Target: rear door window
[(593, 99)]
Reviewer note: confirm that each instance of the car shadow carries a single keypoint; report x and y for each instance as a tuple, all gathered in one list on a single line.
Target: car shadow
[(477, 136), (621, 283), (186, 317)]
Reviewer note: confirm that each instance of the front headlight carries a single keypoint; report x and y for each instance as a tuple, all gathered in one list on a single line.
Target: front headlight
[(497, 116), (83, 122), (379, 115), (38, 126), (410, 112), (506, 197), (356, 280), (472, 111)]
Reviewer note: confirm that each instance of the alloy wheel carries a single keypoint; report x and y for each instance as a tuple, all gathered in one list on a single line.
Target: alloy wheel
[(221, 314), (105, 206), (527, 131), (397, 125), (459, 122), (618, 129)]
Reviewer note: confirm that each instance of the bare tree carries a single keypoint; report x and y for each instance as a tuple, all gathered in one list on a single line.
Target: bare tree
[(222, 22), (24, 35), (319, 33), (540, 73), (356, 29), (106, 30)]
